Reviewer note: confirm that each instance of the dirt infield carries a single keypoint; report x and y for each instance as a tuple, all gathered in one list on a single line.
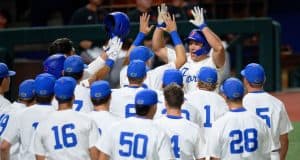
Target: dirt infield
[(292, 104)]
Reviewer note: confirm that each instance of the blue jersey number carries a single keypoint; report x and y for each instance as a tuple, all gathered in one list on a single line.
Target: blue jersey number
[(175, 145), (79, 104), (35, 124), (69, 139), (129, 110), (207, 122), (135, 145), (262, 113), (243, 140), (3, 122), (184, 112)]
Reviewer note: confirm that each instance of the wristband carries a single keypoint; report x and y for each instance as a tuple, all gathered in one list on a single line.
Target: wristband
[(139, 39), (203, 25), (175, 38), (109, 62), (161, 25)]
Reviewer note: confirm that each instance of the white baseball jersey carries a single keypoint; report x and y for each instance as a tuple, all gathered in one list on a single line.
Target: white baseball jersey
[(122, 101), (240, 134), (186, 137), (136, 138), (188, 111), (272, 111), (15, 109), (65, 134), (4, 104), (210, 106), (93, 67), (103, 119), (153, 79), (23, 130), (82, 102)]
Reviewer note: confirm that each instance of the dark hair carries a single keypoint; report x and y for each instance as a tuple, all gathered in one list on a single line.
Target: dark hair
[(240, 99), (208, 86), (164, 86), (61, 45), (174, 95), (256, 85), (135, 80), (76, 76), (100, 101), (60, 101), (142, 110), (25, 100), (1, 80), (43, 99)]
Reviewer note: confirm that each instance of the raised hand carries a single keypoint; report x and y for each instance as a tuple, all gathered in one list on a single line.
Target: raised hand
[(161, 10), (113, 48), (144, 23), (198, 20), (170, 23)]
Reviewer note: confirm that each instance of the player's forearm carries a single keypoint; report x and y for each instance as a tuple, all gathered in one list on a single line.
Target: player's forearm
[(94, 153), (4, 150), (158, 40), (216, 43), (213, 158), (284, 142), (103, 156), (180, 56), (38, 157)]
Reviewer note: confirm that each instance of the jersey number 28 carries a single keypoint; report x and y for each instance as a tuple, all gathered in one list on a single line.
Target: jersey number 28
[(243, 140)]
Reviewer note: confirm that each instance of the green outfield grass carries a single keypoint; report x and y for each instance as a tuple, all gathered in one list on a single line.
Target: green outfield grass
[(294, 146)]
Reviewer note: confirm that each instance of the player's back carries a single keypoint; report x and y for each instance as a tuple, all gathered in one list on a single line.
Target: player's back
[(240, 134), (271, 110), (4, 105), (82, 100), (122, 101), (103, 119), (186, 138), (136, 138), (28, 121), (65, 134), (210, 105)]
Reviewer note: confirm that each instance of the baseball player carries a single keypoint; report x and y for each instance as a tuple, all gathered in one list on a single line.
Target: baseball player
[(5, 75), (154, 76), (186, 137), (267, 107), (189, 112), (23, 129), (101, 97), (122, 101), (200, 41), (65, 134), (209, 104), (137, 137), (239, 134), (25, 99)]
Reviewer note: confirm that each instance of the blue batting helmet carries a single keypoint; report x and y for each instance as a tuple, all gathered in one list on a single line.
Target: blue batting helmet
[(198, 36), (117, 24), (54, 65)]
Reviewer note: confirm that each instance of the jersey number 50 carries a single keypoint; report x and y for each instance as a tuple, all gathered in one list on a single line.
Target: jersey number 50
[(68, 137), (132, 144)]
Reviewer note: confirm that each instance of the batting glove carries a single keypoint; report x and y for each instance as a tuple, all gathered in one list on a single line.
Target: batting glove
[(161, 10), (198, 20), (113, 49)]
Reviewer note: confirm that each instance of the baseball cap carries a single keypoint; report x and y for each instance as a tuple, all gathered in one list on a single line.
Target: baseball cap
[(54, 64), (44, 84), (140, 53), (146, 97), (26, 89), (232, 88), (100, 89), (4, 72), (74, 64), (64, 88), (172, 76), (207, 75), (254, 73), (136, 69)]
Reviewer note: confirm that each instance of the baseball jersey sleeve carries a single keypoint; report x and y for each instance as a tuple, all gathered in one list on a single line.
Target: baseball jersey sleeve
[(93, 67), (164, 147), (285, 125), (267, 141), (200, 146), (12, 132), (93, 135), (36, 145)]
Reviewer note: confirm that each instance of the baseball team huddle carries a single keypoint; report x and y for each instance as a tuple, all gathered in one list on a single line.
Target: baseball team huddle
[(182, 109)]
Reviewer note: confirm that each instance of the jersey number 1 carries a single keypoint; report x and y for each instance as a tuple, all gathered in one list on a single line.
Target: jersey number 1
[(69, 139)]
